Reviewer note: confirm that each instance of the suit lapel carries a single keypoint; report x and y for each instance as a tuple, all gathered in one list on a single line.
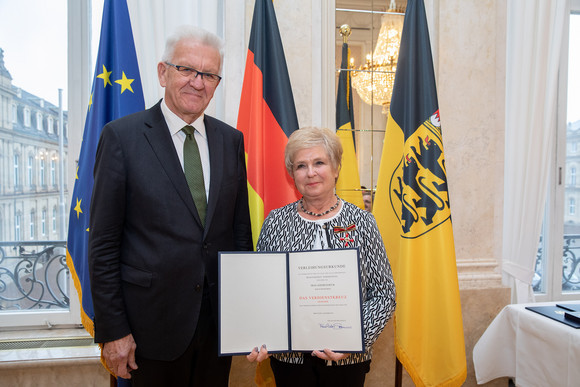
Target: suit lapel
[(216, 155), (157, 134)]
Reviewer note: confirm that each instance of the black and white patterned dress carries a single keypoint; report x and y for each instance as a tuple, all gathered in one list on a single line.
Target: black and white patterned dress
[(286, 230)]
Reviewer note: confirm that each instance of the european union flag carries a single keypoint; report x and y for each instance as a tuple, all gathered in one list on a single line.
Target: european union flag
[(116, 92)]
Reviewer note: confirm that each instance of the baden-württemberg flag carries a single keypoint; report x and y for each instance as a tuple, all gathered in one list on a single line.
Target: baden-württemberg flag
[(267, 117), (412, 211), (348, 184), (116, 92)]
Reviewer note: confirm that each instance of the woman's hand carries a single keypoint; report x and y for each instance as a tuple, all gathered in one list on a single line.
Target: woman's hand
[(258, 354), (329, 355)]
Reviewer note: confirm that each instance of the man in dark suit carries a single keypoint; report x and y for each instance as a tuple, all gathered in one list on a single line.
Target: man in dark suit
[(152, 252)]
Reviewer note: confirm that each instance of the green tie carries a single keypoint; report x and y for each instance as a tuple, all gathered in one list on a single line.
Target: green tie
[(194, 172)]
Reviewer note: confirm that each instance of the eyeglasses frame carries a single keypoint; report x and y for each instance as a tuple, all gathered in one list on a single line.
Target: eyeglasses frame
[(196, 73)]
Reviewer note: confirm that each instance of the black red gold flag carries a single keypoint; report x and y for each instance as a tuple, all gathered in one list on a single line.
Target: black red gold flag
[(267, 117)]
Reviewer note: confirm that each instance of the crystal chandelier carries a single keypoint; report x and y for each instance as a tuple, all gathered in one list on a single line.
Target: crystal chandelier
[(374, 80)]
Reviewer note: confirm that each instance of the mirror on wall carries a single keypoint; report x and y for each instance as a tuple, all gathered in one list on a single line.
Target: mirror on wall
[(373, 30)]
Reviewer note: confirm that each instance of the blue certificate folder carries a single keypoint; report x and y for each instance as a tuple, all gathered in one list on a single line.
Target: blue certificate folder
[(557, 312), (290, 301)]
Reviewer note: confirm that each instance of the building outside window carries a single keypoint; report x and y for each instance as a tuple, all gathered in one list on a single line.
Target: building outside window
[(30, 138)]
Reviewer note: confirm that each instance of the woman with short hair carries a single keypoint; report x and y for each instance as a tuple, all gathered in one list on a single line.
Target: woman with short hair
[(321, 220)]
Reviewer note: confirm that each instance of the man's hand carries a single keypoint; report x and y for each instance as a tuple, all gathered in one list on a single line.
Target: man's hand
[(120, 356)]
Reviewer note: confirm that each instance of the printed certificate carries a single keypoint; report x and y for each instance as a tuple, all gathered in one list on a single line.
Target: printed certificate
[(290, 301)]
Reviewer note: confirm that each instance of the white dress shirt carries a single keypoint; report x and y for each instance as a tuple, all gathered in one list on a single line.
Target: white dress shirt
[(175, 124)]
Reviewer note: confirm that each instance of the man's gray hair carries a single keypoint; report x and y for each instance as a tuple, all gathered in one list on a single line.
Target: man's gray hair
[(197, 34)]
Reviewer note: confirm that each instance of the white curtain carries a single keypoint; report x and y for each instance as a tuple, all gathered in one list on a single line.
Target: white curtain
[(534, 42), (153, 20)]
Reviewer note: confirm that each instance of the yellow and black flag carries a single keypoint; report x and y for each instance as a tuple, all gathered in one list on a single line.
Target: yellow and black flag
[(412, 211), (348, 183)]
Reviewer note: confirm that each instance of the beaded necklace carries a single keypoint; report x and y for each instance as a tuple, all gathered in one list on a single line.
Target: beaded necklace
[(321, 214)]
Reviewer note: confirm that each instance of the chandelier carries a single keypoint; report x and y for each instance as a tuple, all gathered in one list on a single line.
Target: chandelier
[(374, 80)]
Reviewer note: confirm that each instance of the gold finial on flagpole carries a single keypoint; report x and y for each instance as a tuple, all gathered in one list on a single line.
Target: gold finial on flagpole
[(345, 32)]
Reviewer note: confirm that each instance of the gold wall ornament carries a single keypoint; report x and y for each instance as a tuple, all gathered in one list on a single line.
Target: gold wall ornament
[(374, 80)]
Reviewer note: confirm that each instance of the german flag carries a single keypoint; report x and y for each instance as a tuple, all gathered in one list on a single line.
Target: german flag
[(267, 117), (348, 184), (412, 211)]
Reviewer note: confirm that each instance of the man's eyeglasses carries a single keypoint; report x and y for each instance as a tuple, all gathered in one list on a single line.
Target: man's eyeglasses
[(207, 78)]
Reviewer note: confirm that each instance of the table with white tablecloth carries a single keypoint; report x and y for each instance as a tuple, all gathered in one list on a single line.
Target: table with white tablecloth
[(530, 347)]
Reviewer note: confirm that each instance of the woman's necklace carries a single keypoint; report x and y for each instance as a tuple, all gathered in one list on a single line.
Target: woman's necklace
[(321, 214)]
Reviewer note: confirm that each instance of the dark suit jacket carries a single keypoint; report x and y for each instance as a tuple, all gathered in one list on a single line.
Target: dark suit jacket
[(148, 252)]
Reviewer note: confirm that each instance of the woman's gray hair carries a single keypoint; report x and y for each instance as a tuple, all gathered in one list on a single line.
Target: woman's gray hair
[(197, 34), (310, 137)]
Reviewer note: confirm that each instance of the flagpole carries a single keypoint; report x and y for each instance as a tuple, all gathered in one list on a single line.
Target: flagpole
[(398, 372)]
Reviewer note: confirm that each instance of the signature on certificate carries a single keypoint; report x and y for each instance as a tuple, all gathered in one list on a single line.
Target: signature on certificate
[(335, 325)]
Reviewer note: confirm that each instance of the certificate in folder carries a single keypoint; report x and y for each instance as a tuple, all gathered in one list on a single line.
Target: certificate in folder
[(290, 301)]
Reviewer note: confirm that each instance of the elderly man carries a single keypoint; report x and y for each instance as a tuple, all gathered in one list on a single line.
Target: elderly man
[(170, 192)]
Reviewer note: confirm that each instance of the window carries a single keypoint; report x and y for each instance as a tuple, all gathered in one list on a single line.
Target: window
[(41, 171), (17, 235), (54, 219), (43, 222), (30, 174), (50, 124), (32, 218), (557, 269), (39, 121), (14, 113), (34, 105), (27, 117), (53, 171), (16, 170)]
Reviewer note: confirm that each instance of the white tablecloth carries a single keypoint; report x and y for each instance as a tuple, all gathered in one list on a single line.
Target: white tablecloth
[(535, 349)]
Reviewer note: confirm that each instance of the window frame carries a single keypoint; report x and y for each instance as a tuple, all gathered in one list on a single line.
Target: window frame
[(557, 204)]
